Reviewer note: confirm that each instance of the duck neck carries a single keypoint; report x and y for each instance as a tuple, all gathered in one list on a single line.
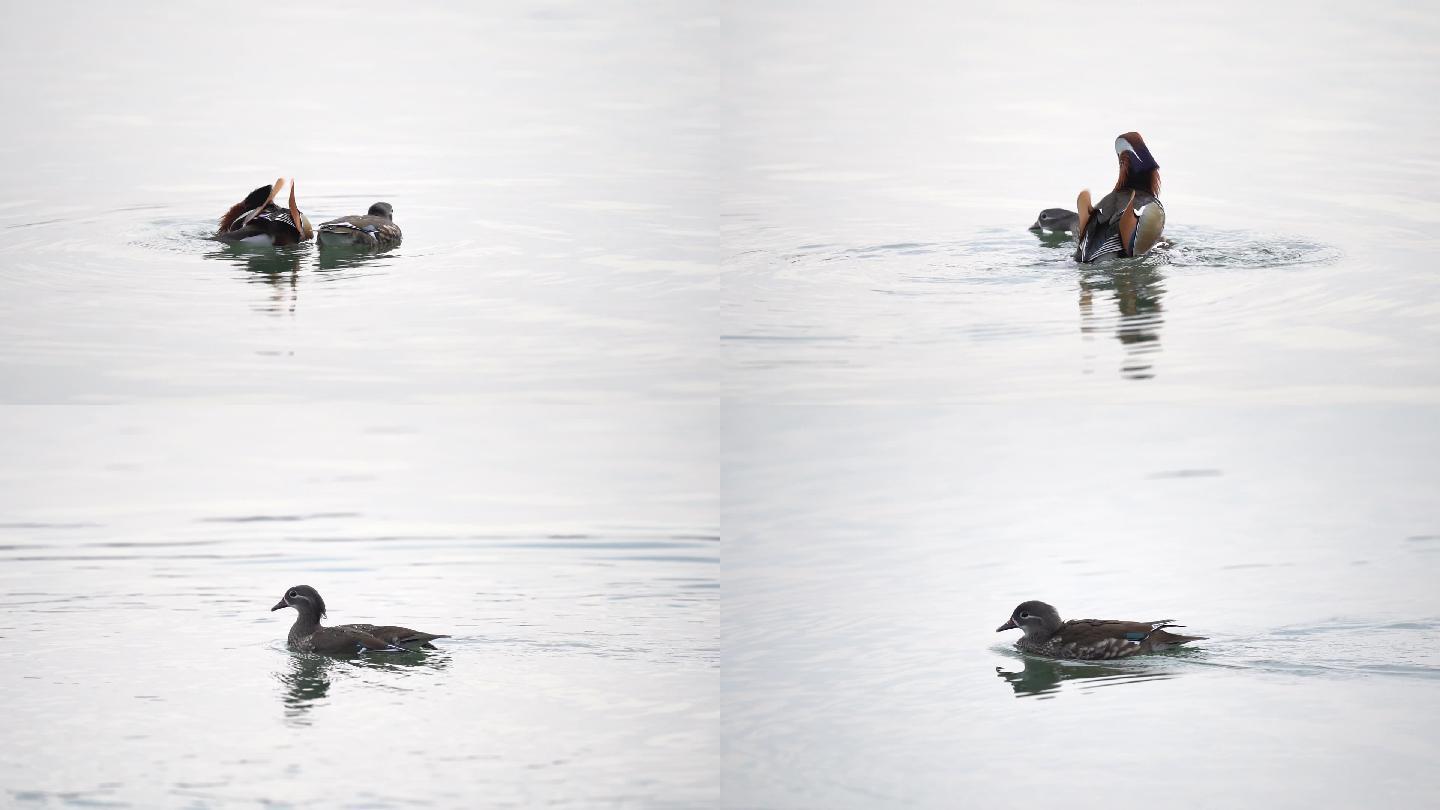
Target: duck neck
[(306, 623), (1037, 632), (1146, 182)]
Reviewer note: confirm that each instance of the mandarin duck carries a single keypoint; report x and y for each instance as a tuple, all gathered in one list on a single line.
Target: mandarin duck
[(1088, 639), (374, 229), (306, 635), (257, 220), (1127, 221), (1055, 220)]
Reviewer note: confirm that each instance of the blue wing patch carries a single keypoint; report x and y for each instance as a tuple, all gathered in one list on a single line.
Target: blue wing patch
[(1135, 635)]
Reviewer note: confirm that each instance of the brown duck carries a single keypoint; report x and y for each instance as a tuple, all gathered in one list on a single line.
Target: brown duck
[(376, 228), (306, 635), (1088, 639)]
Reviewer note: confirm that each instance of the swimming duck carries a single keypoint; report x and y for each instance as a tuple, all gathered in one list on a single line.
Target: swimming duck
[(1128, 220), (1088, 639), (375, 229), (257, 220), (1055, 219), (306, 635)]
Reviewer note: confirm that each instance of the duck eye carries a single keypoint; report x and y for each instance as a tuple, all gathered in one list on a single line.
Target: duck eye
[(290, 595), (1024, 615)]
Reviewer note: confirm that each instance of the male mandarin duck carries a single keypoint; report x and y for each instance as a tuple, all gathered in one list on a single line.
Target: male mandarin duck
[(1128, 220), (1088, 639), (257, 220), (376, 228)]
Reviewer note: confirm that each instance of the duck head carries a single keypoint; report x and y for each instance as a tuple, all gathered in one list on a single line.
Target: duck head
[(304, 599), (1037, 619), (383, 210), (1138, 168), (1056, 219)]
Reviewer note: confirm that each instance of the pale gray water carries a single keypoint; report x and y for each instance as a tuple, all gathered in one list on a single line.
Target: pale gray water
[(933, 415), (503, 430), (883, 168), (547, 162), (570, 553), (863, 588), (507, 429)]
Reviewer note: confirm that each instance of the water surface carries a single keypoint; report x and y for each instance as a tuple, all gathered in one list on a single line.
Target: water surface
[(871, 553), (573, 560), (503, 430), (881, 177), (547, 163), (932, 414)]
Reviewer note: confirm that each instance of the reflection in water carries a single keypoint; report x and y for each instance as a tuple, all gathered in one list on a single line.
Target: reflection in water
[(1041, 677), (340, 258), (308, 681), (1137, 287), (280, 267), (262, 260), (1056, 240), (277, 267)]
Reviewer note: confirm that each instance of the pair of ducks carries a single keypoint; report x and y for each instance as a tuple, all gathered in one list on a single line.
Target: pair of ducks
[(1045, 634), (1128, 221), (258, 220)]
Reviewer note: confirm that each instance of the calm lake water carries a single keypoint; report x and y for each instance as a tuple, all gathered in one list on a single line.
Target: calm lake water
[(549, 164), (678, 272), (504, 430), (932, 415), (571, 554)]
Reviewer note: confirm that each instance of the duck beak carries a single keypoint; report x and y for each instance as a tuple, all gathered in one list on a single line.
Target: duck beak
[(1010, 625), (279, 605)]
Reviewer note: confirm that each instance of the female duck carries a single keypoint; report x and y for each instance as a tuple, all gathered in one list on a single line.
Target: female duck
[(257, 220), (1128, 220), (1088, 639), (375, 229), (307, 635), (1055, 220)]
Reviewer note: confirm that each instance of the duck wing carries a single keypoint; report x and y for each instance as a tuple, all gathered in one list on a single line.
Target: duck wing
[(1122, 637), (363, 229), (1124, 223), (279, 223), (398, 636), (348, 639)]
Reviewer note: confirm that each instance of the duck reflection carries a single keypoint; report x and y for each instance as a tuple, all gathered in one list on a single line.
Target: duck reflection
[(309, 676), (1136, 286), (1041, 677), (342, 258), (306, 684), (277, 268), (262, 260)]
